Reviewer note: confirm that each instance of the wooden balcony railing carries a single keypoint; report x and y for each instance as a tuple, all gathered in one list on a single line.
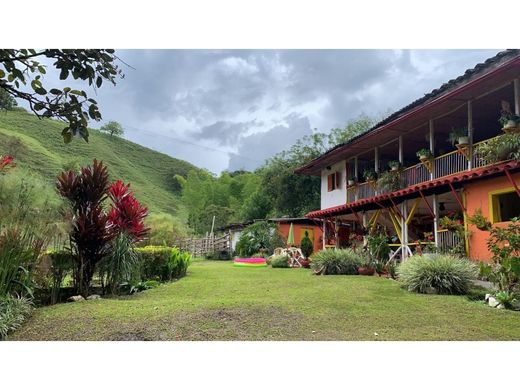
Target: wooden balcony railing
[(445, 165)]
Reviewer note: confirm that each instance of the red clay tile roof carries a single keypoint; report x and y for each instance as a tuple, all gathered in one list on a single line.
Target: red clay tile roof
[(426, 187)]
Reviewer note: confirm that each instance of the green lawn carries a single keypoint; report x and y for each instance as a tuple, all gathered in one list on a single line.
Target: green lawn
[(219, 302)]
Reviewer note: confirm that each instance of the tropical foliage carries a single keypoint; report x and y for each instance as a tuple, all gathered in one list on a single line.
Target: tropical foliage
[(439, 274), (337, 262), (259, 237), (163, 263)]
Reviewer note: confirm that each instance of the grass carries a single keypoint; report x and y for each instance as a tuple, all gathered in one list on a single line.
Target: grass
[(42, 151), (219, 302)]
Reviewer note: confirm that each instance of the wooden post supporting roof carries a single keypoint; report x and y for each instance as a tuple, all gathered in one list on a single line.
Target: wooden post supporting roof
[(470, 135), (512, 181), (412, 211), (457, 198), (427, 204), (516, 86)]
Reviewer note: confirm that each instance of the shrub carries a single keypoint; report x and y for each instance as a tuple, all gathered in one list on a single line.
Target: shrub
[(442, 274), (13, 312), (19, 250), (163, 263), (61, 263), (220, 255), (164, 229), (280, 261), (257, 237), (337, 262), (306, 245), (121, 265)]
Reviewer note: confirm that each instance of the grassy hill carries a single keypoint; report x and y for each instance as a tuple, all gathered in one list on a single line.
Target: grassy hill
[(38, 147)]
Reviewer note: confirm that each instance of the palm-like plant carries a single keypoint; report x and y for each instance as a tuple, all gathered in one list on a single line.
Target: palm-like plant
[(91, 230)]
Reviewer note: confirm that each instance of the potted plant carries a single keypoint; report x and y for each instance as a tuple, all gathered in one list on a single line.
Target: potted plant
[(459, 136), (479, 220), (389, 181), (508, 120), (424, 154), (394, 165), (351, 182), (370, 175), (366, 267)]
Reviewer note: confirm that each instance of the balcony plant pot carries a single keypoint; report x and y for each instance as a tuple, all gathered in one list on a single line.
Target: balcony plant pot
[(351, 183), (394, 168), (510, 123), (464, 140), (367, 271), (424, 158)]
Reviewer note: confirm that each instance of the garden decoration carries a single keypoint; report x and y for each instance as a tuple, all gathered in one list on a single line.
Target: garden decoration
[(251, 262)]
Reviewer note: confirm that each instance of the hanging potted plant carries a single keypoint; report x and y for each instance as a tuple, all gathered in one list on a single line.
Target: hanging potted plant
[(370, 175), (510, 122), (351, 182), (394, 165), (424, 154), (480, 221), (459, 136)]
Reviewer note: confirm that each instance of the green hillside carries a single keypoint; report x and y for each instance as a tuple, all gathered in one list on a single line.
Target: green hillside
[(40, 149)]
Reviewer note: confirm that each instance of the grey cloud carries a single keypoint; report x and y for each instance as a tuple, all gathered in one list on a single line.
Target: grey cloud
[(261, 146)]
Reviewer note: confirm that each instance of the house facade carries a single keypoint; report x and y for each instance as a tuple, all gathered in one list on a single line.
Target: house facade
[(420, 173)]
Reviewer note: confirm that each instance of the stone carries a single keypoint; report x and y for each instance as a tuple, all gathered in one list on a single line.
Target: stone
[(494, 303), (76, 298), (93, 296)]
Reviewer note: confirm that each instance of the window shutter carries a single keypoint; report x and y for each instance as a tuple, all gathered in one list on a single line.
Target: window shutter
[(338, 180), (329, 183)]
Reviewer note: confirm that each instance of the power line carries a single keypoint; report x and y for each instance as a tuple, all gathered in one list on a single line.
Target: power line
[(190, 143)]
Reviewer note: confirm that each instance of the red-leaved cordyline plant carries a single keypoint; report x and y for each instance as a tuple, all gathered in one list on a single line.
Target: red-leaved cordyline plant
[(91, 228), (6, 163), (127, 214)]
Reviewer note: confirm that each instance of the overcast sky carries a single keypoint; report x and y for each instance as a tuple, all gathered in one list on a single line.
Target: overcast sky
[(232, 109)]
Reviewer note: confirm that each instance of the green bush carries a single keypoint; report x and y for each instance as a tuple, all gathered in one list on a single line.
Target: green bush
[(61, 263), (337, 262), (280, 261), (13, 312), (306, 245), (259, 236), (442, 274), (163, 263), (165, 229)]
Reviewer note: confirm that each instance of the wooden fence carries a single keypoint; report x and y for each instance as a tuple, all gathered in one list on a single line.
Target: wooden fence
[(205, 245)]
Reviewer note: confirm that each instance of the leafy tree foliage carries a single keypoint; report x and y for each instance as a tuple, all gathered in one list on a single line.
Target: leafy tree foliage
[(22, 68), (7, 102), (113, 128), (273, 190)]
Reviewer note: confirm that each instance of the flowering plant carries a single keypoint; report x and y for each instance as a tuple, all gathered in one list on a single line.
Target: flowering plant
[(6, 163)]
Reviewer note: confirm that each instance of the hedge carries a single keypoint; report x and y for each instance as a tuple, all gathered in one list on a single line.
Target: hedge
[(163, 263)]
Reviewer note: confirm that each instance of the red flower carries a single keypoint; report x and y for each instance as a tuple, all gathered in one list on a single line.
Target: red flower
[(6, 162)]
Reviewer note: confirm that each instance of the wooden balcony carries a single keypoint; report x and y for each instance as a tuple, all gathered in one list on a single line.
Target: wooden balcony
[(447, 164)]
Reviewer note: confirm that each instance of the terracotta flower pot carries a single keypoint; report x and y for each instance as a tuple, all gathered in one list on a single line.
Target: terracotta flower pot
[(368, 271)]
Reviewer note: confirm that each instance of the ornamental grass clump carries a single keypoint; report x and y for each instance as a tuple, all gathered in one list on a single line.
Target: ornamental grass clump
[(439, 274), (13, 312), (279, 261), (337, 262)]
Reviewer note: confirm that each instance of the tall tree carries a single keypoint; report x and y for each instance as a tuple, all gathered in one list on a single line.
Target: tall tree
[(7, 102), (21, 68), (113, 128)]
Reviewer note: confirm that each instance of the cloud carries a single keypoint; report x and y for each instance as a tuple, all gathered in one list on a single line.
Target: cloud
[(223, 109), (260, 146)]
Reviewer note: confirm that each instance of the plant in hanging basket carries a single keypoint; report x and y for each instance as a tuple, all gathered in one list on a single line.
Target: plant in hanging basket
[(370, 175), (479, 220), (424, 154), (394, 165), (509, 120), (459, 136)]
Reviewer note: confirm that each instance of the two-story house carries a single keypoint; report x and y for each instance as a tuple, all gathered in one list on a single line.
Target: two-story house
[(453, 127)]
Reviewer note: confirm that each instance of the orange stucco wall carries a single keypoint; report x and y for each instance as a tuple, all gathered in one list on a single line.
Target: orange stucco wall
[(283, 228), (477, 196)]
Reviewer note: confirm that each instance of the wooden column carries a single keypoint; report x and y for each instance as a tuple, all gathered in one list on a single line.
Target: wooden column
[(336, 232), (356, 174), (324, 232), (470, 134), (376, 164), (432, 146), (435, 207), (404, 230), (516, 85), (401, 151)]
